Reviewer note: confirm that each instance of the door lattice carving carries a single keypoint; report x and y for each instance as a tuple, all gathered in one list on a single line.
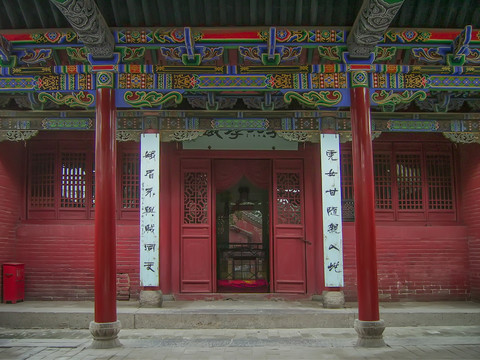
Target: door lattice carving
[(288, 198), (195, 198)]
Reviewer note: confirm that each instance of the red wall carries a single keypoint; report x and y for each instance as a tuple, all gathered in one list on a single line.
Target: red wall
[(11, 198), (128, 256), (414, 262), (470, 194), (59, 258)]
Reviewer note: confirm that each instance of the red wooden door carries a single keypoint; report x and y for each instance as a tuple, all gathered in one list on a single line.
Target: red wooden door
[(196, 243), (289, 270)]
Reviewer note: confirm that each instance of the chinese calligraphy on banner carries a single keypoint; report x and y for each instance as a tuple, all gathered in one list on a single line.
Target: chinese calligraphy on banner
[(149, 209), (332, 210)]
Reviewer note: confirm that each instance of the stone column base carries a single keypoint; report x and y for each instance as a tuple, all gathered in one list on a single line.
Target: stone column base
[(333, 299), (151, 298), (370, 333), (105, 335)]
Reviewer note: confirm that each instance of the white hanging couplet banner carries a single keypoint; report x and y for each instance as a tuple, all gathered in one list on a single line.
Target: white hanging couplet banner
[(149, 209), (332, 210)]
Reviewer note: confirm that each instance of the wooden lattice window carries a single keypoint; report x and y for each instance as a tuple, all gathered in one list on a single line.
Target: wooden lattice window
[(42, 182), (195, 198), (130, 182), (289, 209), (62, 180), (413, 181), (439, 181), (73, 180), (92, 202), (346, 172), (409, 181), (383, 181)]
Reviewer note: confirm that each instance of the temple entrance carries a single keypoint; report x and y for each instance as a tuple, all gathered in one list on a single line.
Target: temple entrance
[(242, 225)]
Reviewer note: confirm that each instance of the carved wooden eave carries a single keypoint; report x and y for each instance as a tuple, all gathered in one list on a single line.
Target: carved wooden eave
[(463, 137), (17, 135), (130, 123), (90, 26), (370, 26)]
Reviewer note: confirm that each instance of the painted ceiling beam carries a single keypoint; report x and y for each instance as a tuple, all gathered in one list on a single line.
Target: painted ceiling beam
[(370, 26), (90, 26), (305, 37), (440, 70)]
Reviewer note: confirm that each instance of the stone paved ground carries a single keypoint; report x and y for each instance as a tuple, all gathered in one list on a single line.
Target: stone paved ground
[(446, 342)]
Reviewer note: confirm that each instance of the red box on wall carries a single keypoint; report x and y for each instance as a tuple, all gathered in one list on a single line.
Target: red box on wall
[(13, 282)]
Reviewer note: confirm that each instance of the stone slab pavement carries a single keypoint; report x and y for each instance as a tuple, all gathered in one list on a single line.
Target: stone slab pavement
[(239, 314), (425, 342)]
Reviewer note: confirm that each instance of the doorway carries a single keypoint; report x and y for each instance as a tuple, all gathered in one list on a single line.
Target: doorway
[(242, 229), (242, 226)]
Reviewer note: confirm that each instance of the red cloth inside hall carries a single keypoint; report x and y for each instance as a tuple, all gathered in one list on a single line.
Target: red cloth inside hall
[(259, 285)]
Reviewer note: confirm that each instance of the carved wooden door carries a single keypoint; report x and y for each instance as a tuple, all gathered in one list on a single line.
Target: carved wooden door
[(196, 243), (288, 227)]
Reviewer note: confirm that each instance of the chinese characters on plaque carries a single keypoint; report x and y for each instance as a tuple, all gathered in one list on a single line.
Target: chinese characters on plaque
[(149, 209), (332, 210)]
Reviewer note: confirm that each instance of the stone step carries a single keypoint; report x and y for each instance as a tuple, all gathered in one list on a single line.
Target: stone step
[(235, 314)]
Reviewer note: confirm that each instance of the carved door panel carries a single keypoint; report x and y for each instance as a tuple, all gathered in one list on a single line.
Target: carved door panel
[(196, 242), (288, 225)]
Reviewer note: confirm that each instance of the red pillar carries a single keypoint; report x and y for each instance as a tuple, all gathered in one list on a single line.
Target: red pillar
[(105, 207), (364, 196)]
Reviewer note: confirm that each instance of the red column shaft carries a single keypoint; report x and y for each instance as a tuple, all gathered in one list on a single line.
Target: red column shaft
[(105, 206), (364, 196)]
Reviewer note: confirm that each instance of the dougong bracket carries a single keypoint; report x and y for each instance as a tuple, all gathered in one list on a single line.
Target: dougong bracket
[(190, 58), (458, 53), (271, 57)]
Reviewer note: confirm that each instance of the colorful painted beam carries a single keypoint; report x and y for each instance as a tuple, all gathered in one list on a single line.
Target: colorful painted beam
[(243, 69), (239, 36), (164, 82)]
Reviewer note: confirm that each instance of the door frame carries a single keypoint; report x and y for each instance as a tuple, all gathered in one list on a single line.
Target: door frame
[(270, 214), (309, 153)]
